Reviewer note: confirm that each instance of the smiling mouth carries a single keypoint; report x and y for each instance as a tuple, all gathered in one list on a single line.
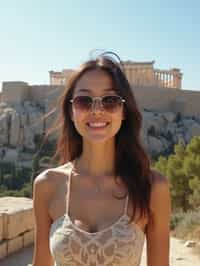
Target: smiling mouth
[(97, 124)]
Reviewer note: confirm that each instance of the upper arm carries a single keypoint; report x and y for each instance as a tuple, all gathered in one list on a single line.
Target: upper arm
[(41, 194), (158, 230)]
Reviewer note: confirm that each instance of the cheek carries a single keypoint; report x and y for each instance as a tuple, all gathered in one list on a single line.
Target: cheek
[(117, 119), (78, 119), (76, 115), (119, 116)]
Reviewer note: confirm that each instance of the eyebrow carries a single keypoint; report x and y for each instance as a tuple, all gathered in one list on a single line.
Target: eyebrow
[(87, 90)]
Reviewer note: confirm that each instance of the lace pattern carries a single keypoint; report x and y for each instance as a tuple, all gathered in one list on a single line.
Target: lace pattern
[(118, 245)]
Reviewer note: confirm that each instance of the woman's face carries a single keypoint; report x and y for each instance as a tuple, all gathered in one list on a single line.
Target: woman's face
[(96, 124)]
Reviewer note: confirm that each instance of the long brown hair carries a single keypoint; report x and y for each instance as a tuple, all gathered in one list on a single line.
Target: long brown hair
[(132, 163)]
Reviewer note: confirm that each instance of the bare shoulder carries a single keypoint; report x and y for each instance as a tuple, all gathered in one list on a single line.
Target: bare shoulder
[(46, 184), (48, 177)]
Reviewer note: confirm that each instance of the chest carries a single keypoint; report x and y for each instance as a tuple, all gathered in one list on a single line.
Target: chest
[(88, 210)]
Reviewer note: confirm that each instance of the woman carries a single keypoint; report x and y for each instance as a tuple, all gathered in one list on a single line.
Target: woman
[(98, 207)]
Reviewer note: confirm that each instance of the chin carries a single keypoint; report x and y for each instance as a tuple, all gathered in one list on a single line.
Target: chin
[(95, 139)]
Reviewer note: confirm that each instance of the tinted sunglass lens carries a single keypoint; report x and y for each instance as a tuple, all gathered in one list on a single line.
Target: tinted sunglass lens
[(82, 103), (112, 103)]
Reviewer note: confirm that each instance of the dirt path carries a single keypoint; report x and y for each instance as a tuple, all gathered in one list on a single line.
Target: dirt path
[(179, 256)]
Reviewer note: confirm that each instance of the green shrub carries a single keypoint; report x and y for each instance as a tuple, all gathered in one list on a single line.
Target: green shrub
[(26, 191), (183, 170)]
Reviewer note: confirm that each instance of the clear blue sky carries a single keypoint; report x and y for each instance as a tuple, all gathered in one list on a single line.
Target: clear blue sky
[(42, 35)]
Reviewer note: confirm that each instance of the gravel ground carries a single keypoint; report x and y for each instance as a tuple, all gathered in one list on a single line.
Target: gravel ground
[(179, 254)]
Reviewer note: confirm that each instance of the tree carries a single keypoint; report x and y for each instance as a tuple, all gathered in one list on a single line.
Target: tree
[(183, 170)]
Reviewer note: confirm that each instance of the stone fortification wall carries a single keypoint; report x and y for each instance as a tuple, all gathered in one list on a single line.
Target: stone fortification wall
[(168, 100), (45, 94), (155, 99), (187, 103), (15, 92), (16, 224)]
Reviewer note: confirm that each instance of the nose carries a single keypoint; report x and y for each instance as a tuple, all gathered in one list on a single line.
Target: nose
[(97, 106)]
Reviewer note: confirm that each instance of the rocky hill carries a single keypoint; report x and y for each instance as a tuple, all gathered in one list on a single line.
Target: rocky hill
[(19, 125)]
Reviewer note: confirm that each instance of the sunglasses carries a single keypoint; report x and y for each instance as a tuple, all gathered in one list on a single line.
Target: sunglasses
[(110, 103)]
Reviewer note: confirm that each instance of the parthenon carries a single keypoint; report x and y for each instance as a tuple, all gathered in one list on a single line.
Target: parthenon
[(141, 74)]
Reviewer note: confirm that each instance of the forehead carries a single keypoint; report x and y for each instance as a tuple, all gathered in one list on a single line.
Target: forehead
[(95, 81)]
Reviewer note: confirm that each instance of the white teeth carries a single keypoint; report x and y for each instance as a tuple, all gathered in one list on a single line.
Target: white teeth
[(99, 124)]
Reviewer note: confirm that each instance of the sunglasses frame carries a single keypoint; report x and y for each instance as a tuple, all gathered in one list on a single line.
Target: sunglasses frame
[(99, 98)]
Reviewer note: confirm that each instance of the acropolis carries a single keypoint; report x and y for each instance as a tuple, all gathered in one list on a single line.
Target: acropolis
[(138, 74)]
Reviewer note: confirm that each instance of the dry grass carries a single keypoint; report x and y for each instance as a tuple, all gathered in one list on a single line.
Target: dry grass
[(186, 226)]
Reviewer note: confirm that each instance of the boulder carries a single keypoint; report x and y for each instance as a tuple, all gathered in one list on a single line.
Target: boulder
[(15, 129), (155, 120), (8, 154), (155, 145), (171, 128), (4, 128), (190, 243), (170, 117), (194, 130)]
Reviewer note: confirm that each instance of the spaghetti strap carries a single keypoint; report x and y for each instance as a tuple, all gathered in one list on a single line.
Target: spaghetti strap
[(126, 205), (69, 189)]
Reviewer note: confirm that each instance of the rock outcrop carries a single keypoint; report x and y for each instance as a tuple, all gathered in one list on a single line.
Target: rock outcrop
[(161, 131), (20, 123)]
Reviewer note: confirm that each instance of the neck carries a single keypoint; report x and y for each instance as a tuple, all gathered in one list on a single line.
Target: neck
[(97, 159)]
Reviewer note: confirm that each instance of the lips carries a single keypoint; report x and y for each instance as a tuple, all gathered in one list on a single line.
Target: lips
[(97, 124)]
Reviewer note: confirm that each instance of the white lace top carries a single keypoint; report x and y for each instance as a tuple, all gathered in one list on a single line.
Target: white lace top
[(119, 244)]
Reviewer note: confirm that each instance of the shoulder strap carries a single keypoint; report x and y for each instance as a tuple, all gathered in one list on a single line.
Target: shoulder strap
[(69, 188), (126, 205)]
